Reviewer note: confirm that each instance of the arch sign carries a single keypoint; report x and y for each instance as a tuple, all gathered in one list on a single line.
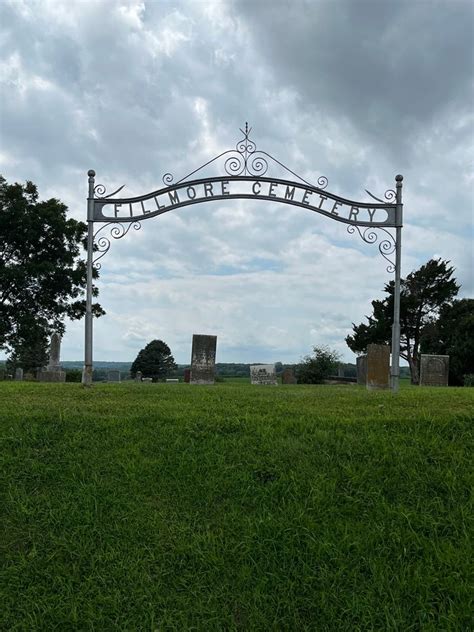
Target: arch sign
[(245, 176)]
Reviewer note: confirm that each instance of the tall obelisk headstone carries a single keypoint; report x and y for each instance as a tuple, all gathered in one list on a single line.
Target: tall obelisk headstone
[(53, 372), (203, 359), (378, 367)]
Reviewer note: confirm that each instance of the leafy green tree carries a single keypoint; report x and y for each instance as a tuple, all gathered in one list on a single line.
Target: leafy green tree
[(422, 294), (453, 334), (317, 367), (42, 275), (154, 361), (29, 346)]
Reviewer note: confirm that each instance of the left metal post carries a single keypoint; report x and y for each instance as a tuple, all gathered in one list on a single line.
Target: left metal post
[(87, 371)]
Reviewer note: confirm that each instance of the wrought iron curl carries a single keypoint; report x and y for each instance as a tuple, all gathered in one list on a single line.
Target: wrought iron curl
[(386, 246), (167, 179), (246, 146), (235, 165), (100, 190), (390, 195), (322, 182), (258, 165), (117, 231)]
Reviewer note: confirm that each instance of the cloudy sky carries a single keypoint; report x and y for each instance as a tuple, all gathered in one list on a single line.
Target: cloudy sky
[(355, 90)]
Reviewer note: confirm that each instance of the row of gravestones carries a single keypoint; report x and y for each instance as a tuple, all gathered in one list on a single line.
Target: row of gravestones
[(51, 373), (203, 360), (373, 369)]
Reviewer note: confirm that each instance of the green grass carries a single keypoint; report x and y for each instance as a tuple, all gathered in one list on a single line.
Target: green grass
[(179, 507)]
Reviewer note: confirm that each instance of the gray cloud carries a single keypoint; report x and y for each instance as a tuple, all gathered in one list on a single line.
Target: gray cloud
[(358, 91)]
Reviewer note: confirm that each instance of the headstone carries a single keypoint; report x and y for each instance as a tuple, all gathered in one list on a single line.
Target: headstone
[(187, 375), (138, 376), (263, 374), (340, 370), (434, 370), (361, 369), (147, 379), (378, 367), (54, 353), (19, 375), (29, 377), (288, 376), (53, 372), (172, 380), (113, 376), (203, 359)]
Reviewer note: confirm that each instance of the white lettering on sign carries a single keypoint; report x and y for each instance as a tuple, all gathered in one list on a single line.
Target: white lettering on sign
[(217, 189)]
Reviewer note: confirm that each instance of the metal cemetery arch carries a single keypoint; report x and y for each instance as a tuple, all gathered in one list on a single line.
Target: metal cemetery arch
[(245, 178)]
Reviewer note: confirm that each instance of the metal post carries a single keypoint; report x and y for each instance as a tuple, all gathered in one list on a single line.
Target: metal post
[(87, 371), (395, 372)]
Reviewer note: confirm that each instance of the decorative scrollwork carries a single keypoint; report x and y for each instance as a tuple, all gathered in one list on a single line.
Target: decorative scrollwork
[(99, 191), (117, 231), (235, 165), (390, 196), (245, 160), (386, 246)]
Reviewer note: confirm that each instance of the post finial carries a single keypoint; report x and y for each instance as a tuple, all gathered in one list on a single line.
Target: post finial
[(91, 173), (399, 178)]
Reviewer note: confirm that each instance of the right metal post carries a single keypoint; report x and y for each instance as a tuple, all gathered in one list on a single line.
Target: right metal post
[(395, 369)]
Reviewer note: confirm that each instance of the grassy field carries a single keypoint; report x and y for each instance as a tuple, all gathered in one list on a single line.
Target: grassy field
[(177, 507)]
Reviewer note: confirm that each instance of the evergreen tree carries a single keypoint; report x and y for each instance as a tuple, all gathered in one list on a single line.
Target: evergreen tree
[(422, 294), (154, 361)]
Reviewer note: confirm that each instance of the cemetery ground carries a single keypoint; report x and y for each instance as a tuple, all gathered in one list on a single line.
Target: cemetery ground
[(235, 507)]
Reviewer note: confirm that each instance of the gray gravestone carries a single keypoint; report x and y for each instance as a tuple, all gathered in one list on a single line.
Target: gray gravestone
[(434, 370), (172, 380), (263, 374), (54, 353), (203, 359), (378, 367), (53, 372), (361, 369), (138, 376), (288, 377), (340, 370), (19, 375), (113, 376)]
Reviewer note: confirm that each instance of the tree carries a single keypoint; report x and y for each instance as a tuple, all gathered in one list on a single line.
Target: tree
[(453, 334), (316, 368), (154, 361), (422, 294), (42, 276)]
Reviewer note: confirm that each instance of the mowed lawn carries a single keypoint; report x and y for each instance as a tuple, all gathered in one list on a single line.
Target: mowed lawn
[(235, 507)]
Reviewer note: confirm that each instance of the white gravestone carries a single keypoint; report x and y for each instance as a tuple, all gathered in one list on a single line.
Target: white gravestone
[(263, 374)]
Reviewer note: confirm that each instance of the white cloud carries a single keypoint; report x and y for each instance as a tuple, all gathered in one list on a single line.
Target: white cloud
[(138, 89)]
